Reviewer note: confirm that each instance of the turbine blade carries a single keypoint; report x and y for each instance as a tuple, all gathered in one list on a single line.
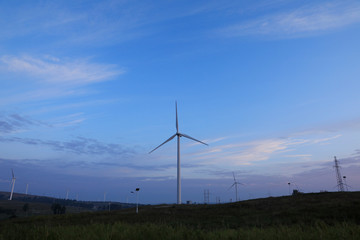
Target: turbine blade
[(163, 143), (234, 177), (231, 186), (177, 123), (12, 171), (187, 136)]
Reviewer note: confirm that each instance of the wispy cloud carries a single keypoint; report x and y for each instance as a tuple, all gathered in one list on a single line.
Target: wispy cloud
[(351, 160), (17, 123), (47, 77), (310, 19), (42, 93), (79, 146), (55, 71), (260, 150), (298, 156), (98, 22), (14, 123), (245, 153), (342, 125), (325, 140)]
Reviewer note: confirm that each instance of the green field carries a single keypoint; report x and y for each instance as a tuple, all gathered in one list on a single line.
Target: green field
[(306, 216)]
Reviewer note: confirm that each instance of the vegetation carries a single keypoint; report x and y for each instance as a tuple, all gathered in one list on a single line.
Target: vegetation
[(150, 231), (40, 205), (58, 209), (304, 216)]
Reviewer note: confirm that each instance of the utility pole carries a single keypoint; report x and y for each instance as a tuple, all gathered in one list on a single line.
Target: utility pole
[(137, 199), (340, 183), (289, 187), (347, 187)]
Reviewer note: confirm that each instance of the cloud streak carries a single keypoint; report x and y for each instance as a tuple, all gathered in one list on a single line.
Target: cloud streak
[(14, 123), (310, 19), (246, 153), (79, 146), (98, 22), (56, 71)]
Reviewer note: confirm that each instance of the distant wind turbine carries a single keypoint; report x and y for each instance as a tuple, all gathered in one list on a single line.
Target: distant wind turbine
[(236, 186), (178, 135), (12, 184)]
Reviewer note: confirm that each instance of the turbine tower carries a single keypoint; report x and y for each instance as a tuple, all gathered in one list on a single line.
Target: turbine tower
[(12, 184), (236, 186), (178, 135)]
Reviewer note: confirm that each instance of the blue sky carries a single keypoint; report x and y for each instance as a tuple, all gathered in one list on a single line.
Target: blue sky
[(88, 88)]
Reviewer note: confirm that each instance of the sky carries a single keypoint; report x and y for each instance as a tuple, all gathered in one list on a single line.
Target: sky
[(88, 89)]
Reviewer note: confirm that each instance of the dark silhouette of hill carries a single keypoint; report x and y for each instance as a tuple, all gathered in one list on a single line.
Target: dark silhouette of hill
[(42, 205), (304, 209)]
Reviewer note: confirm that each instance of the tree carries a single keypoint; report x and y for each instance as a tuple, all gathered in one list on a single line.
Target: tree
[(63, 210), (58, 209), (25, 208), (55, 207)]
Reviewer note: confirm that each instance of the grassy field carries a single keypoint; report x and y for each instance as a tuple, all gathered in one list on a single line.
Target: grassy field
[(307, 216), (41, 205)]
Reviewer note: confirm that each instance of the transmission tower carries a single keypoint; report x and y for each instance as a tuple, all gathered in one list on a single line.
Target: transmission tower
[(340, 183), (206, 196)]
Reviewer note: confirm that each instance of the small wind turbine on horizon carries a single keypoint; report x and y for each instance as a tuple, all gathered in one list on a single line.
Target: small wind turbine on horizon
[(236, 186), (178, 135), (12, 184)]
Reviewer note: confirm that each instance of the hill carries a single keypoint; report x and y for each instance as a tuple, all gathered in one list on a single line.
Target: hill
[(316, 213), (42, 205)]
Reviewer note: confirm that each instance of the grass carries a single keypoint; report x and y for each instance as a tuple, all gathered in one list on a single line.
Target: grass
[(150, 231), (308, 216)]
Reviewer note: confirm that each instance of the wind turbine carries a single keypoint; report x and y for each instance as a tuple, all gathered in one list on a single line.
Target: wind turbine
[(12, 184), (178, 135), (236, 186)]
